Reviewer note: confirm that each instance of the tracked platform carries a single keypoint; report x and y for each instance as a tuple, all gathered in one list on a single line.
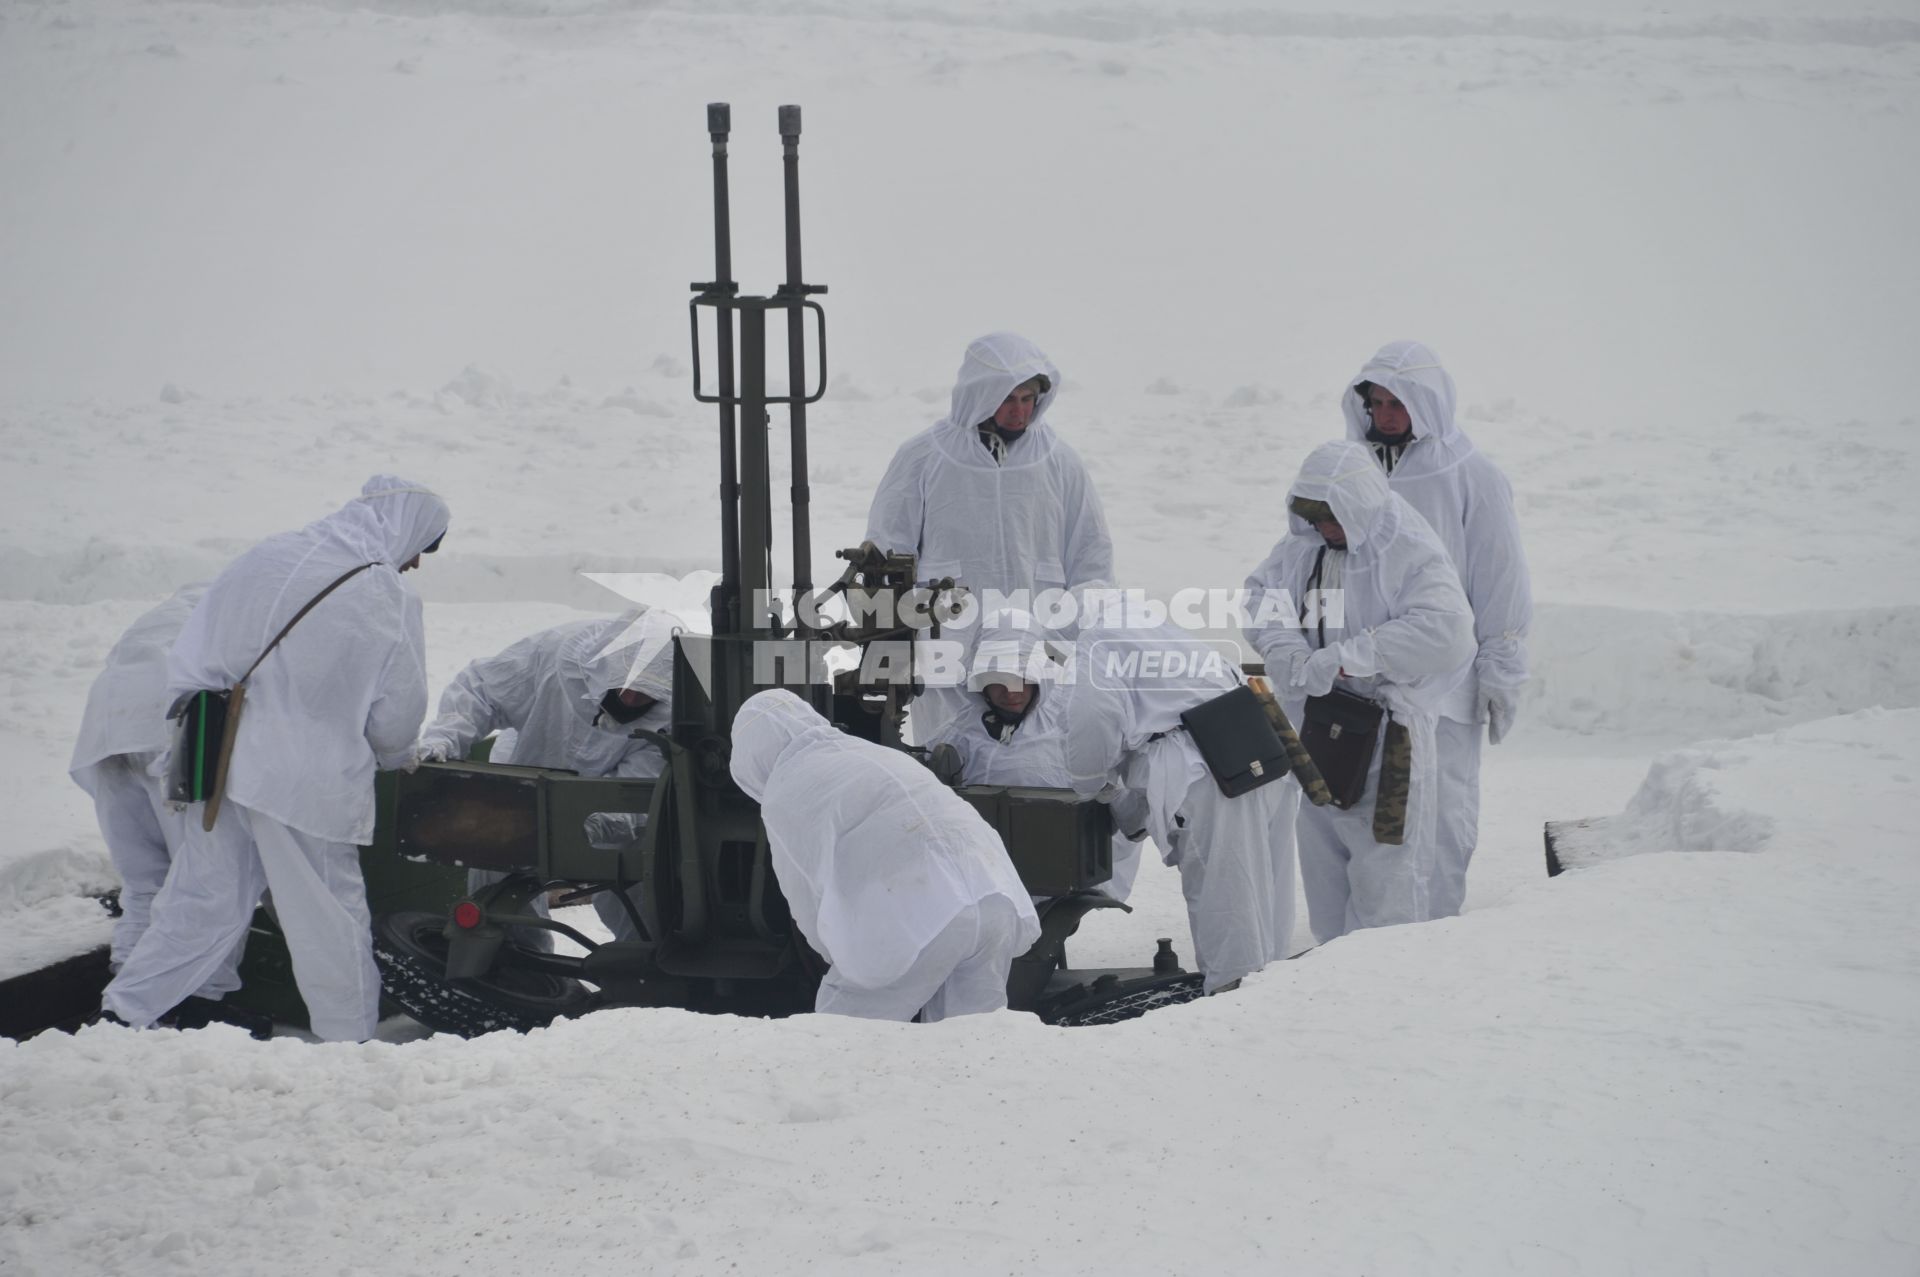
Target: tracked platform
[(62, 996)]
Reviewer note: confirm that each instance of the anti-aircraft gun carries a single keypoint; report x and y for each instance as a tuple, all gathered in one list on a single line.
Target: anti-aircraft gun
[(709, 927)]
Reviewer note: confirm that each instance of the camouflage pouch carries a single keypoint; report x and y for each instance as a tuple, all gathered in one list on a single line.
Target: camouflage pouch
[(1396, 779), (1299, 761)]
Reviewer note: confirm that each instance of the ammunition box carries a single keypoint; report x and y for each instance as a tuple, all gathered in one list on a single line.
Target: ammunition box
[(1057, 841), (505, 818)]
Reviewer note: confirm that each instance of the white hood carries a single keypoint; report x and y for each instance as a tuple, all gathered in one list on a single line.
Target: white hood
[(391, 520), (768, 726), (1011, 643), (1412, 372), (1346, 477), (629, 652), (993, 366), (874, 855)]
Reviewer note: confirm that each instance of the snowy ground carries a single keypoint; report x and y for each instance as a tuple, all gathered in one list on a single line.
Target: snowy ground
[(252, 252)]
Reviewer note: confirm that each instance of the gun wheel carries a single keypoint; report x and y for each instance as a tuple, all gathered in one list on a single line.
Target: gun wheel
[(1133, 1004), (412, 952)]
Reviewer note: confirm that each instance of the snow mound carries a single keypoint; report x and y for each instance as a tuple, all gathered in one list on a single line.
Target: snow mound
[(47, 901), (1739, 796), (1677, 808), (480, 389), (47, 875)]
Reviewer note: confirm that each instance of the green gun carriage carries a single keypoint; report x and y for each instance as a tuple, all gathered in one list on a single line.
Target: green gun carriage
[(709, 928)]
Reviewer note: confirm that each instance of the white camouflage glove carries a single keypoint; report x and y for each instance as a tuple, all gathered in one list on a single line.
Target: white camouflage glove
[(1315, 675), (1129, 808), (1502, 707), (432, 751), (404, 761)]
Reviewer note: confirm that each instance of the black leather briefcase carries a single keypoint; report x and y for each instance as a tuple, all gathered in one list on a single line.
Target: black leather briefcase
[(1237, 742), (1340, 731)]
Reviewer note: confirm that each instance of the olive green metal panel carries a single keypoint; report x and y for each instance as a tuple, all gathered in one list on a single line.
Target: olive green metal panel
[(527, 819), (1057, 842), (472, 815), (572, 802)]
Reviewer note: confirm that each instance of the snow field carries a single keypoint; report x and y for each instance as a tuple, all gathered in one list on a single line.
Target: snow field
[(1619, 1072), (252, 252)]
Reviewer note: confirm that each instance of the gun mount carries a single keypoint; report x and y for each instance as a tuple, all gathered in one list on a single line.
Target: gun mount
[(709, 928)]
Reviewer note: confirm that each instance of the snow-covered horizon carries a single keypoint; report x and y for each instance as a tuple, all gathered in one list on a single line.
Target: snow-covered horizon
[(270, 199), (251, 252)]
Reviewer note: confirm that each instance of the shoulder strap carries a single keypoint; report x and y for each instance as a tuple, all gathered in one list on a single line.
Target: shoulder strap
[(1313, 583), (339, 581)]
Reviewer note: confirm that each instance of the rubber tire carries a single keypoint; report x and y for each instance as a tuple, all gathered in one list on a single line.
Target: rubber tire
[(412, 952), (1131, 1006)]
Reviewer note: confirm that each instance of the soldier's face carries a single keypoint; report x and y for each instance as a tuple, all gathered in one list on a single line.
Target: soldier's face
[(1013, 700), (1016, 410), (1332, 533), (1389, 414)]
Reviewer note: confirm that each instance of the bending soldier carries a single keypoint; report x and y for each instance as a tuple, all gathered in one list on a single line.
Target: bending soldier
[(117, 760), (1015, 730), (891, 877), (572, 696), (343, 694)]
